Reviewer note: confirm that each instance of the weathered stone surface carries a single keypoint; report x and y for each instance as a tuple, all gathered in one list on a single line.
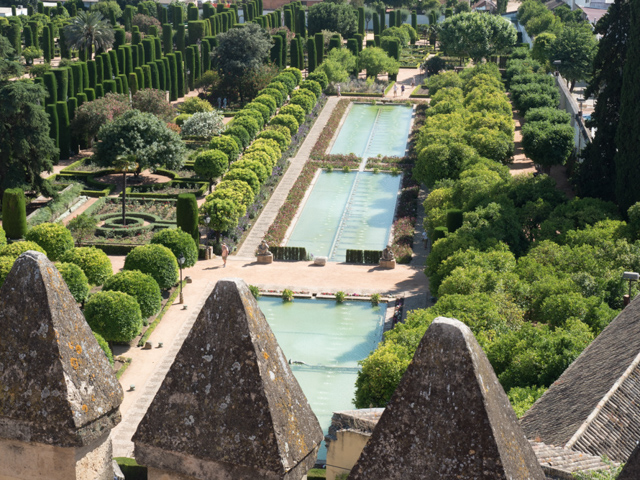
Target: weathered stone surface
[(56, 385), (322, 261), (388, 264), (631, 470), (230, 404), (265, 258), (448, 419)]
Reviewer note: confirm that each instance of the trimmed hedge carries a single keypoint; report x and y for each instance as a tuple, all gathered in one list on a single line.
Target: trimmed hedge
[(155, 260), (289, 253), (187, 215), (254, 165), (367, 257), (225, 144), (6, 264), (55, 238), (140, 286), (16, 249), (180, 243), (75, 279), (114, 315), (102, 343), (296, 110), (245, 175), (14, 213), (454, 219), (288, 121), (94, 263)]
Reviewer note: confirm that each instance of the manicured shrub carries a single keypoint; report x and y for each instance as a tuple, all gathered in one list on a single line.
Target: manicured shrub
[(210, 164), (275, 94), (180, 243), (55, 238), (14, 213), (245, 175), (94, 263), (264, 110), (289, 79), (454, 219), (281, 87), (277, 136), (237, 190), (104, 346), (255, 166), (296, 110), (225, 144), (187, 215), (14, 250), (248, 123), (303, 101), (260, 143), (249, 112), (140, 286), (319, 77), (3, 238), (203, 124), (194, 105), (261, 157), (75, 279), (6, 264), (180, 119), (155, 260), (239, 134), (268, 101), (288, 121), (114, 315)]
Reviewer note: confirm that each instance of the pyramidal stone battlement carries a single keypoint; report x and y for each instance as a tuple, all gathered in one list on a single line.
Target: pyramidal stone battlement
[(230, 407), (448, 419), (59, 397), (57, 385)]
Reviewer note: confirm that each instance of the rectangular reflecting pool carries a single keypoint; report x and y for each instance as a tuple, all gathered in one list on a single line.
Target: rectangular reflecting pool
[(346, 211), (328, 339), (371, 130)]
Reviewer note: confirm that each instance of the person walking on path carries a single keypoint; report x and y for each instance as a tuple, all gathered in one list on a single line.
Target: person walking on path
[(402, 90), (225, 254), (395, 89), (338, 89)]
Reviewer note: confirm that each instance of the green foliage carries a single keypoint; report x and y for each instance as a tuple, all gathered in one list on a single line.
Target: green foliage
[(3, 237), (610, 473), (223, 212), (54, 238), (75, 279), (319, 77), (94, 263), (335, 17), (187, 215), (82, 227), (547, 144), (522, 398), (142, 135), (143, 288), (194, 105), (114, 315), (239, 134), (376, 61), (155, 260), (575, 46), (6, 264), (211, 164), (14, 213), (264, 110), (104, 346), (245, 175), (288, 121), (180, 243), (227, 145), (88, 29), (293, 110), (14, 250)]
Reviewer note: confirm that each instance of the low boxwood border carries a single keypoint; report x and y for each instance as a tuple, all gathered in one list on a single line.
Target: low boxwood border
[(204, 186), (167, 305)]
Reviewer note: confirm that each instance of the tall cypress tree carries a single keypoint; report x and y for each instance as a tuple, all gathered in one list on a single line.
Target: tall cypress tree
[(628, 132), (595, 176), (64, 134), (311, 54)]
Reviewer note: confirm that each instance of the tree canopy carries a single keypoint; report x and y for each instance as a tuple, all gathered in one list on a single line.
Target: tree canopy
[(335, 17), (575, 46)]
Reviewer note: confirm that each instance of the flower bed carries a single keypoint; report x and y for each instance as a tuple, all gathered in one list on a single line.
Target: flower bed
[(329, 130)]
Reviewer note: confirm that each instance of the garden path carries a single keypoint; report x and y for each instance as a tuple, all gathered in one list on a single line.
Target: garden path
[(270, 211)]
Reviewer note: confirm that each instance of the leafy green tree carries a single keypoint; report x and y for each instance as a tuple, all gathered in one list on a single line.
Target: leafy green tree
[(105, 7), (114, 315), (542, 47), (441, 161), (335, 17), (142, 135), (575, 46), (26, 148), (82, 227), (627, 134), (180, 243), (596, 175), (337, 65), (223, 214), (211, 164), (89, 29), (547, 144), (522, 398), (376, 61), (155, 260), (476, 35), (140, 286), (240, 54), (9, 67)]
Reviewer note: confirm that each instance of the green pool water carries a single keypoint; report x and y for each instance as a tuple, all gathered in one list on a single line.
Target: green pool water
[(330, 339), (346, 211), (371, 130)]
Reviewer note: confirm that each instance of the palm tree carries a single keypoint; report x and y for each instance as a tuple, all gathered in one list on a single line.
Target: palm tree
[(125, 164), (88, 29)]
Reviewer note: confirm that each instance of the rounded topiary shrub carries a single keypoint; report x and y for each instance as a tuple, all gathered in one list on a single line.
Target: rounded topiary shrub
[(180, 119), (3, 238), (253, 165), (275, 135), (275, 93), (155, 260), (261, 157), (225, 144), (288, 121), (268, 101), (114, 315), (303, 101), (180, 243), (245, 175), (250, 112), (248, 123), (140, 286), (320, 77), (260, 107), (75, 279), (6, 264), (210, 164), (104, 346), (288, 79), (239, 134), (16, 249), (237, 190), (94, 263), (55, 238), (313, 86), (295, 72), (296, 110), (267, 142), (14, 213), (281, 87)]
